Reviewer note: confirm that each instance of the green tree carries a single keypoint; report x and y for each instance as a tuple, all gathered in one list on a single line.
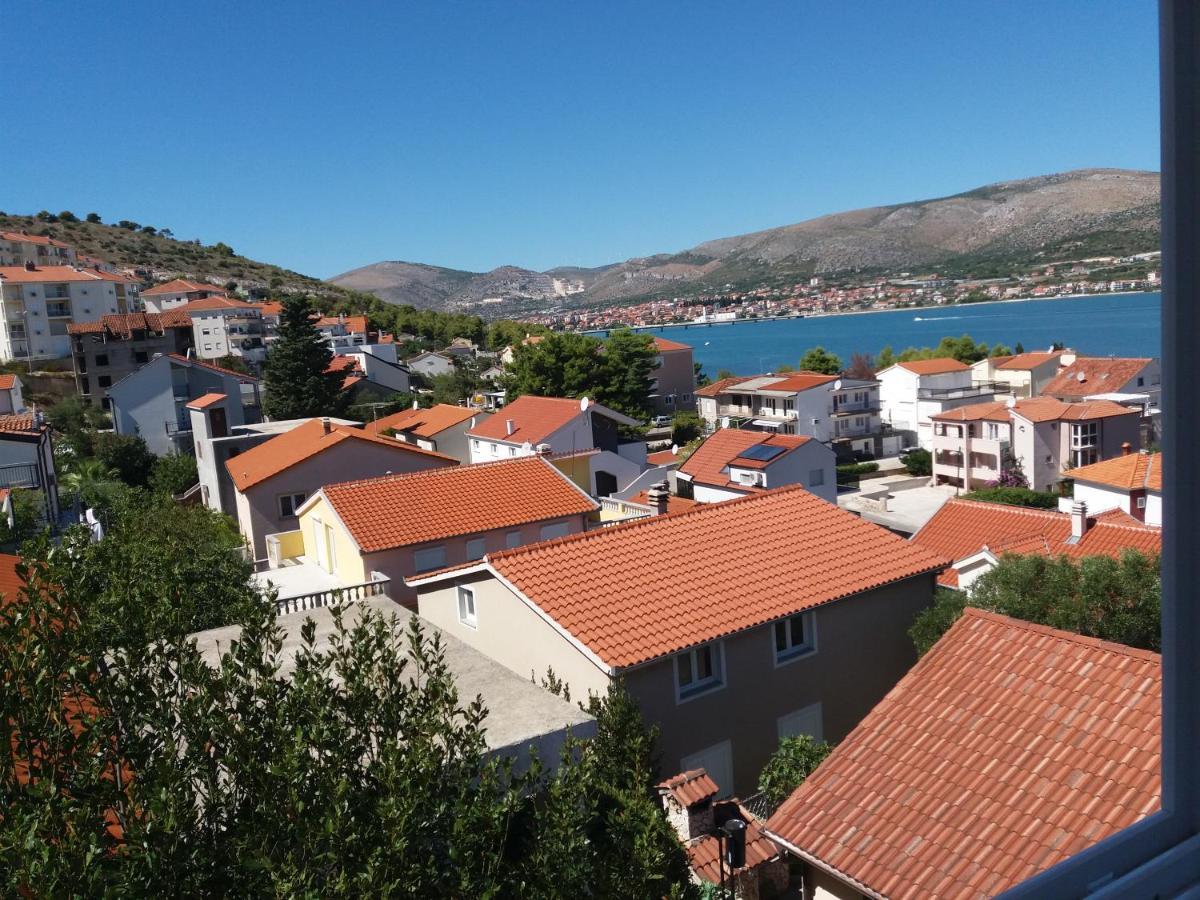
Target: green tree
[(67, 216), (794, 760), (934, 621), (918, 462), (886, 359), (628, 365), (94, 218), (685, 428), (1019, 348), (298, 383), (818, 359), (723, 374), (1014, 496), (174, 474), (87, 479), (126, 455), (27, 520)]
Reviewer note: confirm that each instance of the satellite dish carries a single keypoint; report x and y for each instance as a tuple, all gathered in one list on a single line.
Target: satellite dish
[(674, 449), (724, 421), (837, 385), (1081, 377), (1010, 402), (584, 403)]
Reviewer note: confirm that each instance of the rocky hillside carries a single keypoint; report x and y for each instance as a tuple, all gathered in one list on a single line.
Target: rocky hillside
[(988, 231)]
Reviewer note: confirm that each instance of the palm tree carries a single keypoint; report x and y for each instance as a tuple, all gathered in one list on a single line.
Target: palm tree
[(86, 476)]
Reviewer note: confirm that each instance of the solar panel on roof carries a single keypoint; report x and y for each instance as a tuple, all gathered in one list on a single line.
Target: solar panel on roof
[(761, 452)]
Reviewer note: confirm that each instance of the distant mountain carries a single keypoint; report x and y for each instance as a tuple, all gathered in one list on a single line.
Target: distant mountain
[(992, 230)]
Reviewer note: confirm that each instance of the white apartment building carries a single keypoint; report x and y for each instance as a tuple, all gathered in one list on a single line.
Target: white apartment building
[(176, 293), (18, 248), (912, 393), (224, 327), (37, 303)]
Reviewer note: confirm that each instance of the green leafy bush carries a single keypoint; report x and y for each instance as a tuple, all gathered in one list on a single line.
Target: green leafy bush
[(795, 759), (918, 463), (1014, 496)]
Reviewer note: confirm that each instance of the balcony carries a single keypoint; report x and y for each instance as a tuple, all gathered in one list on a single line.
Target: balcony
[(975, 391), (19, 475), (58, 310), (850, 408)]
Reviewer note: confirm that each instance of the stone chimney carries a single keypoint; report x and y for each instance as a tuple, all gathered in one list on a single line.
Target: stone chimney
[(659, 496), (1079, 521), (687, 799), (325, 428), (1126, 448)]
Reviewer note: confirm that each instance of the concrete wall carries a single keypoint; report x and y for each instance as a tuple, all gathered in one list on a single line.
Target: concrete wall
[(676, 379)]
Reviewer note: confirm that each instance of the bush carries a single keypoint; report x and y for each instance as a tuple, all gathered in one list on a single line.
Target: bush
[(918, 463), (1015, 496), (793, 761), (174, 474), (127, 455), (858, 468), (685, 428)]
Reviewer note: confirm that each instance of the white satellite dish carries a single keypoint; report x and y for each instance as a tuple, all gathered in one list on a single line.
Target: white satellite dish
[(674, 449), (837, 385), (1010, 402), (584, 403), (1080, 377), (724, 421)]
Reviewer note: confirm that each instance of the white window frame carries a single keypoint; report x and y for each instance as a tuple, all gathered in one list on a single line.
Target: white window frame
[(467, 613), (704, 686), (419, 567), (297, 500), (793, 652)]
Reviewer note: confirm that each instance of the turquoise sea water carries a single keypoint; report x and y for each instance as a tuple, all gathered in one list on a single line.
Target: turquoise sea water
[(1110, 324)]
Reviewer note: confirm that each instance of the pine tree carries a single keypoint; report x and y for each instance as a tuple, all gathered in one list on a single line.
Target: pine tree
[(298, 384)]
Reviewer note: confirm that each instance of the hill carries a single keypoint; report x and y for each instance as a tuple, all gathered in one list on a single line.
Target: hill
[(993, 230)]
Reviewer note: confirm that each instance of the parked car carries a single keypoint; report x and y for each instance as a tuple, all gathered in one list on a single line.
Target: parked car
[(661, 422)]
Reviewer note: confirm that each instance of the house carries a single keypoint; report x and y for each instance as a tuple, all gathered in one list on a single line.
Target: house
[(732, 624), (1089, 376), (1043, 435), (912, 393), (524, 720), (509, 353), (840, 412), (657, 500), (398, 526), (673, 384), (1023, 375), (178, 292), (11, 399), (39, 303), (557, 426), (152, 400), (442, 427), (18, 248), (492, 373), (27, 459), (1131, 483), (344, 331), (976, 535), (733, 463), (460, 347), (105, 351), (1007, 749), (430, 364), (375, 364), (222, 327), (273, 480)]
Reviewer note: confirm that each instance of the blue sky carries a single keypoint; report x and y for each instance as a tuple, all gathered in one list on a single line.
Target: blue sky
[(325, 136)]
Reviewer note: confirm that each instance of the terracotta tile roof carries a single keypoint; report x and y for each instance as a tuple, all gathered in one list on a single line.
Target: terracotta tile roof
[(183, 286), (241, 376), (1035, 409), (1006, 749), (279, 454), (719, 386), (535, 419), (674, 504), (662, 458), (962, 528), (1026, 361), (691, 787), (703, 853), (1134, 471), (7, 382), (19, 423), (644, 589), (709, 463), (934, 366), (353, 324), (219, 302), (41, 274), (399, 510), (1100, 375), (10, 583), (665, 346), (206, 401), (122, 325), (801, 381), (992, 410), (423, 422), (271, 307), (32, 239)]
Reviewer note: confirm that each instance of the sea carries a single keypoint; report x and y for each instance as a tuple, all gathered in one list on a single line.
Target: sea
[(1098, 325)]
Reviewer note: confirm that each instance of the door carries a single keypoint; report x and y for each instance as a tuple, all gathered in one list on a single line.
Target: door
[(606, 483), (320, 545), (717, 761)]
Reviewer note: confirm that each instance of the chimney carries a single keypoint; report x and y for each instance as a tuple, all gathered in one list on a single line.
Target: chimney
[(30, 267), (1126, 448), (659, 496), (509, 427), (1079, 521), (325, 424)]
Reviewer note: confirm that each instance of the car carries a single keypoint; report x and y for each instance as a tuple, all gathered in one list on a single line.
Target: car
[(661, 422)]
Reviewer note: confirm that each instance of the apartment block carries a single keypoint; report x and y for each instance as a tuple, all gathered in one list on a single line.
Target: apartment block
[(104, 352)]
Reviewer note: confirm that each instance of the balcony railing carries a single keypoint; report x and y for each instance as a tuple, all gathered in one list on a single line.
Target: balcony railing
[(977, 389), (19, 475), (351, 593)]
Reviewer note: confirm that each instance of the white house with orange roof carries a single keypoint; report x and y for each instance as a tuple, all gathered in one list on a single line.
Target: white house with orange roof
[(912, 393), (1091, 376), (11, 399), (734, 462), (724, 655), (27, 458), (558, 426), (37, 303), (1045, 436), (178, 292), (1131, 482), (18, 248), (1024, 375), (224, 326), (442, 427)]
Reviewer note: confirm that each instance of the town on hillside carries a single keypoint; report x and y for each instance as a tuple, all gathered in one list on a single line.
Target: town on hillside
[(536, 602)]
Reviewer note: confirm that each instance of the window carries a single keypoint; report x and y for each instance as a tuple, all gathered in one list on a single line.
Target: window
[(289, 503), (795, 636), (205, 331), (475, 445), (717, 761), (802, 721), (512, 539), (104, 381), (669, 399), (141, 356), (102, 359), (816, 477), (430, 558), (687, 398), (699, 670), (555, 530), (993, 431), (1141, 502), (476, 547), (466, 607)]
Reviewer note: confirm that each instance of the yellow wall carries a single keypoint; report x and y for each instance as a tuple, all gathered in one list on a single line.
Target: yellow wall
[(348, 562)]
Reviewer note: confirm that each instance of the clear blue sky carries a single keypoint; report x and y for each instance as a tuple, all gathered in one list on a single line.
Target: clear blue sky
[(325, 136)]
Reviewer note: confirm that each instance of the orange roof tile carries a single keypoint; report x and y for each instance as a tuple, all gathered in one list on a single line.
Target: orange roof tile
[(183, 286), (800, 381), (704, 853), (674, 504), (207, 400), (219, 302), (122, 325), (32, 239), (423, 422), (709, 463), (962, 528), (690, 787), (41, 274), (665, 346), (10, 583), (1006, 749), (399, 510), (20, 423), (279, 454), (7, 382), (719, 386), (1134, 471), (1026, 361), (934, 366), (1100, 375), (1035, 409), (242, 376), (644, 589), (353, 324), (271, 307), (534, 419), (662, 458)]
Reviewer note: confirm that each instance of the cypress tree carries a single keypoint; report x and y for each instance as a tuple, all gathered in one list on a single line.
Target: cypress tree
[(297, 382)]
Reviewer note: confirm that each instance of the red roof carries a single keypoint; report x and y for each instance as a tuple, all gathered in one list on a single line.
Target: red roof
[(8, 382), (962, 528), (674, 504), (704, 853), (1026, 361), (801, 381), (353, 324), (32, 239), (303, 442), (1035, 409), (934, 366), (665, 346), (42, 274), (10, 583), (644, 589), (207, 400), (662, 458), (710, 462), (423, 423), (271, 307), (1090, 375), (183, 286), (719, 386), (242, 376), (1008, 748), (691, 787), (534, 419), (19, 423), (122, 325), (399, 510), (219, 302), (1131, 472)]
